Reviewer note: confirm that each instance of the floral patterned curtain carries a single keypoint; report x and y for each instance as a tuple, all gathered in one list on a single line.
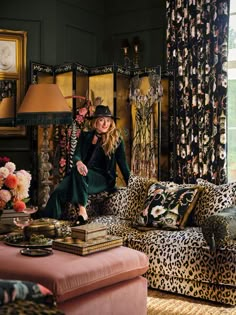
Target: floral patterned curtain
[(197, 37)]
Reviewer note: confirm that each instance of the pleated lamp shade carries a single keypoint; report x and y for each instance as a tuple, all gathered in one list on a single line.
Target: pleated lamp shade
[(7, 111), (44, 104)]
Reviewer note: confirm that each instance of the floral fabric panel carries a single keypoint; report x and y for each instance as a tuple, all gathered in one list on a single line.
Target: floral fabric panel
[(66, 137), (197, 48), (168, 207), (11, 290)]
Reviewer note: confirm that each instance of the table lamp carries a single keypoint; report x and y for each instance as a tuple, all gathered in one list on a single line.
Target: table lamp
[(44, 105), (7, 111)]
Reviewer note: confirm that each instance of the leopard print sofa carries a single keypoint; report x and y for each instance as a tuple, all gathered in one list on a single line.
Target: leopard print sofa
[(180, 261)]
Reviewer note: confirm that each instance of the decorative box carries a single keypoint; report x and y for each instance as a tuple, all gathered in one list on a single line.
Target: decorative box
[(88, 231), (78, 247), (50, 228)]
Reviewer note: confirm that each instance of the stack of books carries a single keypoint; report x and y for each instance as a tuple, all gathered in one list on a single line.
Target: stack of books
[(8, 215), (87, 239)]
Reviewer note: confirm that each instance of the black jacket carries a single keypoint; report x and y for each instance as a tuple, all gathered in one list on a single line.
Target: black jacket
[(81, 151)]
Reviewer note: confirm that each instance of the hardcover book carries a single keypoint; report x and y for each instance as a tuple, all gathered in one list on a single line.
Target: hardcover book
[(88, 231), (79, 247), (8, 215)]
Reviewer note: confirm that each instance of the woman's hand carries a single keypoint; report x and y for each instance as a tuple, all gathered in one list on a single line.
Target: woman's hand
[(82, 168)]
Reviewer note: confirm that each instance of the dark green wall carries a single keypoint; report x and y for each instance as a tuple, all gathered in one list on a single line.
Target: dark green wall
[(89, 32), (57, 31), (130, 18)]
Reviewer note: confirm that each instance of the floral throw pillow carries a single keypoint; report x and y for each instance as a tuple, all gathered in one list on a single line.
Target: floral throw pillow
[(168, 207), (11, 290)]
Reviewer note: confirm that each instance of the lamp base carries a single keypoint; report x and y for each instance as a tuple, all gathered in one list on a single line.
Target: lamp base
[(45, 168)]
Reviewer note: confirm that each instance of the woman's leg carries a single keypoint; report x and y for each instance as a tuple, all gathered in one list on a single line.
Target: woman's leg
[(96, 183), (57, 200), (82, 186), (74, 188)]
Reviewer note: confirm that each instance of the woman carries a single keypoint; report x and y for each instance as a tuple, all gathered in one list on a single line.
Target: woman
[(94, 170)]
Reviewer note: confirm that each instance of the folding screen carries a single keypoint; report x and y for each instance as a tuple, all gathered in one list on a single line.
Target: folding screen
[(84, 87)]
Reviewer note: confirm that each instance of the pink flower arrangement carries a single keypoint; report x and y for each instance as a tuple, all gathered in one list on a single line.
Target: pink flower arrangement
[(14, 186)]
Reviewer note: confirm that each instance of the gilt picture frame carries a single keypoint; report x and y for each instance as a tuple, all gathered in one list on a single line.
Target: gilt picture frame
[(13, 67)]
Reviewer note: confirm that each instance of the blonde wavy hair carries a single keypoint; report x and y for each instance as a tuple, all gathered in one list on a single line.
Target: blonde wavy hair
[(111, 139)]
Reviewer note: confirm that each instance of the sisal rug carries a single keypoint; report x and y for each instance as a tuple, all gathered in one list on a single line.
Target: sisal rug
[(164, 303)]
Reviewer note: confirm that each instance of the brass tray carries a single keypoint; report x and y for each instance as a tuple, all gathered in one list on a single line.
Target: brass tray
[(6, 228), (19, 241)]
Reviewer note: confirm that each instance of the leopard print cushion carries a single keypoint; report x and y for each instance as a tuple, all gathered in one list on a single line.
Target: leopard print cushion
[(213, 199), (137, 192), (220, 229), (127, 202), (116, 202)]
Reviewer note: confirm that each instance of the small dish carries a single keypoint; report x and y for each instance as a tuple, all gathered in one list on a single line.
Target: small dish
[(30, 210), (36, 252)]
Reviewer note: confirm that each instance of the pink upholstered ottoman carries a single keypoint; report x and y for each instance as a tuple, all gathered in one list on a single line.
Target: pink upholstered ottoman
[(108, 282)]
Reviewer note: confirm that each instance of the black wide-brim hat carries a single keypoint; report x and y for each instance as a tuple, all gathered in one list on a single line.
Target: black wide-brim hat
[(102, 111)]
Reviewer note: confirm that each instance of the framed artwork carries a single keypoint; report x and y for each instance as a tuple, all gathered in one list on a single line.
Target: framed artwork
[(13, 67), (12, 131)]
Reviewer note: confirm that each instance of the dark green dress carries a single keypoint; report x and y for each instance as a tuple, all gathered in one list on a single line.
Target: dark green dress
[(101, 176)]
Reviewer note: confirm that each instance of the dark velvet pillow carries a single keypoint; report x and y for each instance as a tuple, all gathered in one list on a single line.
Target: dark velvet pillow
[(219, 229), (11, 290), (167, 207), (213, 199)]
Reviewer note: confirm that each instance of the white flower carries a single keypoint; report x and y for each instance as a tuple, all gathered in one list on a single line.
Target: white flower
[(26, 174), (23, 177), (11, 167), (158, 210), (4, 172), (22, 190)]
